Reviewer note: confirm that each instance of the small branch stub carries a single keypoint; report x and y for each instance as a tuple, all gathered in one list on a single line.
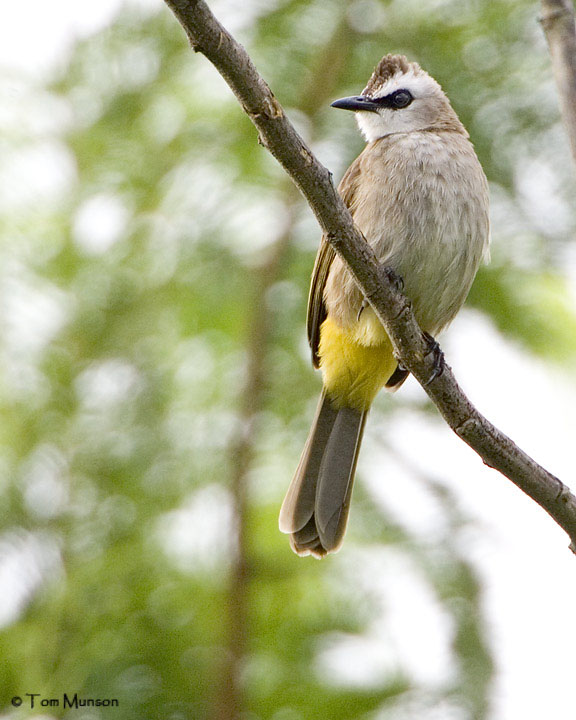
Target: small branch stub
[(558, 21)]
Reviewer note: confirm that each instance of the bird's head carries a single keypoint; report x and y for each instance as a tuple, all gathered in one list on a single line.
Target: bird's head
[(400, 97)]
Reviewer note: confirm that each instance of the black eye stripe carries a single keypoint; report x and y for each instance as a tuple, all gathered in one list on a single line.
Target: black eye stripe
[(395, 101)]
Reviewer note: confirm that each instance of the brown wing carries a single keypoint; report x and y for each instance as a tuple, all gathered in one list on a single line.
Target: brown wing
[(316, 306), (325, 256)]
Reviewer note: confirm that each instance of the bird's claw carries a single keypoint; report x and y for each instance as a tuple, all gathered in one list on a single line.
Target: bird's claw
[(364, 305), (439, 362), (396, 280)]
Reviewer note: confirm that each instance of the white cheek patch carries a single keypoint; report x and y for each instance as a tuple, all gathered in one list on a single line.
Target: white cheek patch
[(374, 125)]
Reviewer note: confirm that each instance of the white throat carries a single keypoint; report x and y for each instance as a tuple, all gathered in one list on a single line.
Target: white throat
[(372, 126)]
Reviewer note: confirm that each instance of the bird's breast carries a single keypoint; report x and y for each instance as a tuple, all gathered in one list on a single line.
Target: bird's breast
[(421, 201)]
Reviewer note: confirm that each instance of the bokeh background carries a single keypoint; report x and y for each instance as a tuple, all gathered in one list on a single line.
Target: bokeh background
[(156, 388)]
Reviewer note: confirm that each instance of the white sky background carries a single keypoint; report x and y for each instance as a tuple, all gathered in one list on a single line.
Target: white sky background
[(38, 45), (529, 574)]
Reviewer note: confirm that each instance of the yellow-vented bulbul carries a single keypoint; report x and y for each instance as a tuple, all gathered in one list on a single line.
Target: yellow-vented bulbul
[(419, 195)]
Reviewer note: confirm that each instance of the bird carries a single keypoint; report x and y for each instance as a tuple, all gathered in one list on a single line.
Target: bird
[(419, 195)]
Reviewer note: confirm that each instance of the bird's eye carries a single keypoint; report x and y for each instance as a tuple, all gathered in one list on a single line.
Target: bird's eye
[(401, 98)]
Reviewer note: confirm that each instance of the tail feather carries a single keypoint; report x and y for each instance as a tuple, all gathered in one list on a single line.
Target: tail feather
[(336, 475), (300, 500), (315, 510)]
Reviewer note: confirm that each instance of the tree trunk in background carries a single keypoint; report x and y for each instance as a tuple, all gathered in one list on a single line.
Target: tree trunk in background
[(230, 698)]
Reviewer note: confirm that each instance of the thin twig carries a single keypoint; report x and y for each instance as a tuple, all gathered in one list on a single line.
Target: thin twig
[(557, 19), (278, 135)]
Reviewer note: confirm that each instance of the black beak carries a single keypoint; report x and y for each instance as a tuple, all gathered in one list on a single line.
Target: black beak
[(357, 102)]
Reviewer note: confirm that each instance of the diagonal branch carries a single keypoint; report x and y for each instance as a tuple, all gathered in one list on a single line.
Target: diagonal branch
[(277, 134)]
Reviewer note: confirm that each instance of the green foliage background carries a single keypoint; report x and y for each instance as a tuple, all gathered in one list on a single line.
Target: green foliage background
[(156, 391)]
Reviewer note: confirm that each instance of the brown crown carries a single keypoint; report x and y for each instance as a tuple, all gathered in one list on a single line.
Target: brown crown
[(387, 68)]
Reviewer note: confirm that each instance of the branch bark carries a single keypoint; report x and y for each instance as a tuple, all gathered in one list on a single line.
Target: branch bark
[(557, 19), (276, 133)]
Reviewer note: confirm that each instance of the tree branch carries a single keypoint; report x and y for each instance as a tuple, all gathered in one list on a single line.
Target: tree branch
[(376, 282), (557, 19)]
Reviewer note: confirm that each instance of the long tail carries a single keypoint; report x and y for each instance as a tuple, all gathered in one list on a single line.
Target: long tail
[(315, 509)]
